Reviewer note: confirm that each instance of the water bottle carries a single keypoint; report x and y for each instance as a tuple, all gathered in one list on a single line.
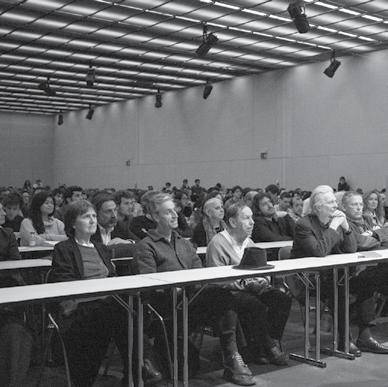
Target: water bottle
[(32, 238)]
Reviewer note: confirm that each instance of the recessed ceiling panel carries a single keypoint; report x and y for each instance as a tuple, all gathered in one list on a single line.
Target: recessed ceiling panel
[(138, 46)]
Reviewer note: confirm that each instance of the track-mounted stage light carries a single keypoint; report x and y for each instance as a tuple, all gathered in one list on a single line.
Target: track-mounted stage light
[(45, 86), (89, 116), (208, 89), (299, 16), (158, 99), (90, 76), (333, 66), (209, 40), (60, 118)]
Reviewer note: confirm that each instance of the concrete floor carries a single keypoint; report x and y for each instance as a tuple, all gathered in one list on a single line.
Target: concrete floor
[(370, 370)]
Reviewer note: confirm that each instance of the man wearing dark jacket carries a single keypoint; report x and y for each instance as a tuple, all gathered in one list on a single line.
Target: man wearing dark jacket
[(326, 231)]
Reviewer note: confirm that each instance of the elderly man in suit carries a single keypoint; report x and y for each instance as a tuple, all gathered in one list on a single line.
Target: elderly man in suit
[(325, 231)]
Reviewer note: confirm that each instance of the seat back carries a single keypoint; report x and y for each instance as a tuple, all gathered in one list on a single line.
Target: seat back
[(284, 253)]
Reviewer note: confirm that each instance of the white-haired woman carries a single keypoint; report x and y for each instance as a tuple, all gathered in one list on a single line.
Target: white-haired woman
[(212, 223)]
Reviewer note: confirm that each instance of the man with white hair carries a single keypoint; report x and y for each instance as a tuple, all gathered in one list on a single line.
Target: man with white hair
[(326, 231)]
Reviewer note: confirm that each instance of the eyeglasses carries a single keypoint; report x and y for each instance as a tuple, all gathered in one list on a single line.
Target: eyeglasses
[(354, 205)]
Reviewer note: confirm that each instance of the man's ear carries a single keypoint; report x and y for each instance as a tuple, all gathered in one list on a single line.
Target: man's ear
[(232, 222), (155, 217)]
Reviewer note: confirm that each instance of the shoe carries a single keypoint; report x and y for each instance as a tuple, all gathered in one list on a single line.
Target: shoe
[(253, 356), (277, 357), (237, 372), (353, 349), (371, 345), (150, 373)]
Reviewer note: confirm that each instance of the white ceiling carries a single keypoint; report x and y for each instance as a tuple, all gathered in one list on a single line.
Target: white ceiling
[(140, 46)]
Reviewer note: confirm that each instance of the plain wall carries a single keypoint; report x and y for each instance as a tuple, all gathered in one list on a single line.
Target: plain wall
[(313, 128), (26, 149)]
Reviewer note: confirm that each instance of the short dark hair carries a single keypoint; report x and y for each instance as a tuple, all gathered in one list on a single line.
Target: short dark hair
[(14, 198), (100, 198), (273, 188), (292, 202), (126, 194), (58, 191), (70, 191), (235, 188), (74, 210), (285, 194), (197, 180)]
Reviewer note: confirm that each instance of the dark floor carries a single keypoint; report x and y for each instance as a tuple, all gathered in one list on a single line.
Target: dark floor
[(370, 370)]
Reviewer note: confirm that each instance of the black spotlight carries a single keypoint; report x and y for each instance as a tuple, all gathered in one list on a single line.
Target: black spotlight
[(90, 76), (299, 18), (45, 86), (208, 89), (333, 66), (209, 40), (60, 118), (89, 116), (158, 99)]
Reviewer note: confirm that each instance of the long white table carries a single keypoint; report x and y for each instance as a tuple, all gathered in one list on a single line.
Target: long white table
[(134, 284), (24, 264)]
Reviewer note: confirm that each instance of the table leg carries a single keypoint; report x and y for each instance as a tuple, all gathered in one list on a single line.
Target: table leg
[(185, 319), (128, 306), (175, 336), (140, 341), (336, 283), (306, 359)]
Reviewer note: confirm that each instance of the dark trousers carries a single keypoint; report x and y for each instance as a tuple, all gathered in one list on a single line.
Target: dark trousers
[(362, 287), (214, 306), (263, 315), (93, 325), (15, 350)]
